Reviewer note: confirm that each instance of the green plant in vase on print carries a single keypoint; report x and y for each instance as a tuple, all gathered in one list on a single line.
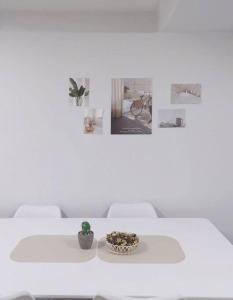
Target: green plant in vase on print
[(79, 92)]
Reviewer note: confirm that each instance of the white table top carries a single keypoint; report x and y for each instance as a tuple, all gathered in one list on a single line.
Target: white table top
[(206, 271)]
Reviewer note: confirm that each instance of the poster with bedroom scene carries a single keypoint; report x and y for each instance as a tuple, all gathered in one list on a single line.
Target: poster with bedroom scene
[(131, 107)]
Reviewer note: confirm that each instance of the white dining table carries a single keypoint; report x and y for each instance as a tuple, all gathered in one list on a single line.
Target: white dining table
[(206, 271)]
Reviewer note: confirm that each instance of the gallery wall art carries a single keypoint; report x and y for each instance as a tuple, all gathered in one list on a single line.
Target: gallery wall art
[(79, 90), (185, 93), (171, 118), (131, 106), (93, 121)]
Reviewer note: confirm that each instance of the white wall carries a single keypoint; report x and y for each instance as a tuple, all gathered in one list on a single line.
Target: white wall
[(45, 158)]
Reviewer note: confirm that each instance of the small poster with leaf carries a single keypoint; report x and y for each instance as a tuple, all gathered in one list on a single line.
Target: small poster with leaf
[(79, 91)]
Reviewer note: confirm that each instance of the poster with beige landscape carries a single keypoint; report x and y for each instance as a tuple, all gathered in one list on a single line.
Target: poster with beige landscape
[(131, 109), (185, 93)]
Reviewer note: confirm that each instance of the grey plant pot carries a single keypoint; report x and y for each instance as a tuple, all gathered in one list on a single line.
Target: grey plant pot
[(85, 240)]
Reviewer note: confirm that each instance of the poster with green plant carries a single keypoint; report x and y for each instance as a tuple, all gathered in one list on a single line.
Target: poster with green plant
[(79, 90)]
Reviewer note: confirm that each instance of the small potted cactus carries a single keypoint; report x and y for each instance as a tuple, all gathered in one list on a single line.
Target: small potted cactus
[(85, 236)]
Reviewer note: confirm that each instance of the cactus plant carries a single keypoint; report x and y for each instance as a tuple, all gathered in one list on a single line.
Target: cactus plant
[(85, 236), (77, 92), (86, 228)]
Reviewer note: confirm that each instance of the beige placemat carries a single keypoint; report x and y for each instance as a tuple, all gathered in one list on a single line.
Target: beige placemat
[(52, 249), (151, 250)]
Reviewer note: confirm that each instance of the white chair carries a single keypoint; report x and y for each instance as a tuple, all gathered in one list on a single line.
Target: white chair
[(117, 297), (19, 296), (132, 210), (36, 211)]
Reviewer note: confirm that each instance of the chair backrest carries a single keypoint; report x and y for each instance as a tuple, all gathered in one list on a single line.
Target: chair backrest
[(34, 211), (132, 210), (117, 297), (19, 296)]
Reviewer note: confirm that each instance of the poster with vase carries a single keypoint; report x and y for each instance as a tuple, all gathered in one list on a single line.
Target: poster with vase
[(171, 118), (93, 121)]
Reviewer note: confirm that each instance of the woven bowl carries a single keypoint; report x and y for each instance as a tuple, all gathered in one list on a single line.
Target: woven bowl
[(122, 249)]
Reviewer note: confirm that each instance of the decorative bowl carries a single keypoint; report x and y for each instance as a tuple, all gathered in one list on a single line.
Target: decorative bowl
[(122, 242)]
